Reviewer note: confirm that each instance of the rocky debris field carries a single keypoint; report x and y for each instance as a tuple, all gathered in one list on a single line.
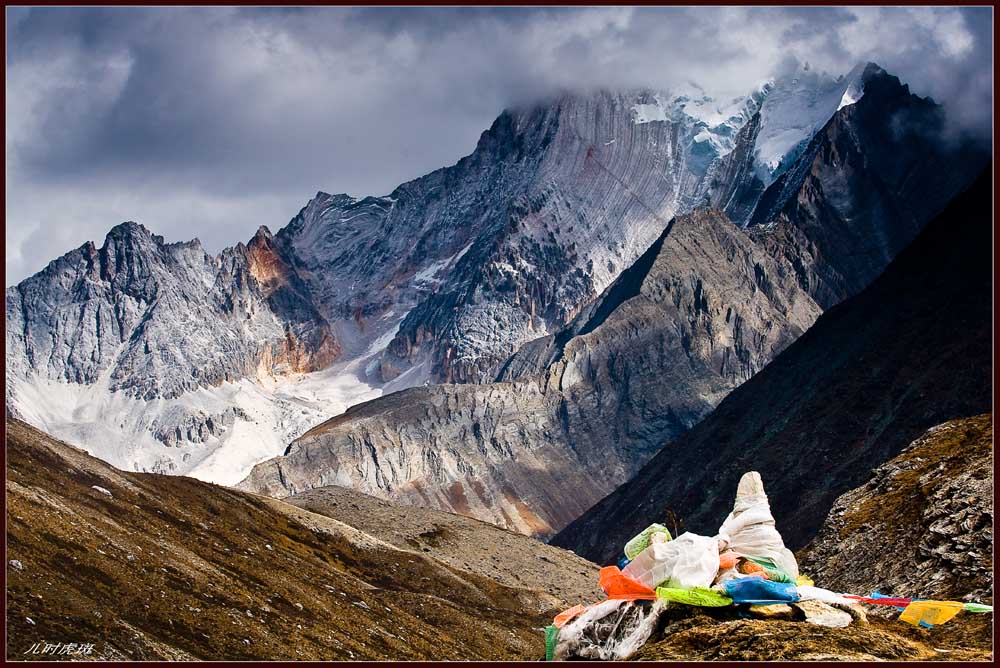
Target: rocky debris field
[(148, 566), (922, 526)]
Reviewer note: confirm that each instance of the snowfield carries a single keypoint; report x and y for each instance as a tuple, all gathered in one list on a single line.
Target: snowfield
[(268, 415), (793, 107)]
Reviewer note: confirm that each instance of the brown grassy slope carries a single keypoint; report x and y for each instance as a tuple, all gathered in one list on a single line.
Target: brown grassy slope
[(174, 568)]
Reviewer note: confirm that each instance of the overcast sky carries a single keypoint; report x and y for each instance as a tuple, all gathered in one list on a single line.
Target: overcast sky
[(208, 122)]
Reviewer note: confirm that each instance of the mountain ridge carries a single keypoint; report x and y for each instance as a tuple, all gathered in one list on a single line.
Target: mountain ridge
[(870, 376), (207, 365), (708, 308)]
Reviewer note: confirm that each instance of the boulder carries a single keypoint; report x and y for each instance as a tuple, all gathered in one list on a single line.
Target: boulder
[(817, 612), (776, 611)]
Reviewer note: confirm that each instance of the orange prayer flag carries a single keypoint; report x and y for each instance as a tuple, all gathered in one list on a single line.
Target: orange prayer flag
[(567, 615), (619, 586)]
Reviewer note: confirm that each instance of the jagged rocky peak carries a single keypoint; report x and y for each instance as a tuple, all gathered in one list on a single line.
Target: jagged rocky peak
[(265, 261), (263, 234), (581, 203), (151, 354), (517, 132), (798, 102), (864, 187), (594, 202), (131, 230), (153, 320), (128, 253)]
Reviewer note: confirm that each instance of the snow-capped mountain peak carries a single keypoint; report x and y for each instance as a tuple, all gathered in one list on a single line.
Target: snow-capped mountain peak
[(719, 121), (793, 106), (798, 103)]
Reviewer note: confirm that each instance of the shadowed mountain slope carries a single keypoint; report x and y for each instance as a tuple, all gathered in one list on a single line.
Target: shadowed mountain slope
[(909, 352)]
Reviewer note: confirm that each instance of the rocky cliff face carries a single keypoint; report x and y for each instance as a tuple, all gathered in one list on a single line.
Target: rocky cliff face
[(909, 352), (922, 525), (863, 188), (153, 320), (593, 188), (578, 412), (508, 244)]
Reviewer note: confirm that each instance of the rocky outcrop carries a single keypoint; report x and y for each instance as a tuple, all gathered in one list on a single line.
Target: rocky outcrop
[(578, 412), (922, 526), (736, 187), (487, 451), (309, 343), (176, 427), (909, 352)]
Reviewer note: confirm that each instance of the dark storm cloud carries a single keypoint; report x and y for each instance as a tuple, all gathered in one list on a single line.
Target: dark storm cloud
[(211, 121)]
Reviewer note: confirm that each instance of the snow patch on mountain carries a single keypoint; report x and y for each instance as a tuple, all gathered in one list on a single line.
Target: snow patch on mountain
[(241, 423), (853, 93), (658, 110), (797, 105), (434, 274), (719, 121), (793, 107)]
